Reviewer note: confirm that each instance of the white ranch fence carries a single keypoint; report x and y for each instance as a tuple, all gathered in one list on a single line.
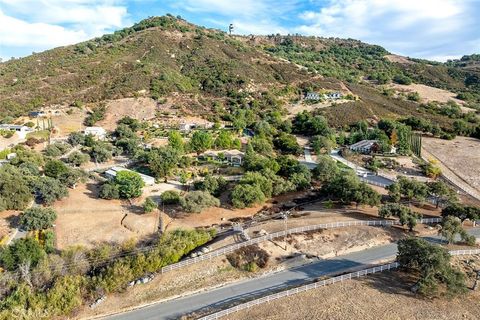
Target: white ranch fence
[(340, 224), (322, 283)]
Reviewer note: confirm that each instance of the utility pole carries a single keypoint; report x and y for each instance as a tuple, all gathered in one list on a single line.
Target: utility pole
[(230, 28), (285, 218)]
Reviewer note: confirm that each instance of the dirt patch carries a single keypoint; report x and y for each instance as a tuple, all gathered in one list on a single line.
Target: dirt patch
[(380, 296), (459, 160), (7, 219), (398, 59), (65, 123), (84, 219), (137, 108), (209, 217), (428, 94), (299, 107), (334, 242)]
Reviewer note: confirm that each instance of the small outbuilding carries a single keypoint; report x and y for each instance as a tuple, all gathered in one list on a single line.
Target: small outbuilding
[(112, 173), (365, 146), (97, 132)]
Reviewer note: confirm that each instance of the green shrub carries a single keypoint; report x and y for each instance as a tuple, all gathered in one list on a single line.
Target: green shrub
[(197, 201), (170, 197), (149, 205), (38, 218)]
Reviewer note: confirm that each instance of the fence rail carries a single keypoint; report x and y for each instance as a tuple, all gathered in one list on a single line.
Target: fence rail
[(322, 283), (303, 288), (340, 224)]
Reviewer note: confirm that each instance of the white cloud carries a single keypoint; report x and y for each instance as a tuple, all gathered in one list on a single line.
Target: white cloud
[(414, 27), (247, 16), (43, 24), (17, 32)]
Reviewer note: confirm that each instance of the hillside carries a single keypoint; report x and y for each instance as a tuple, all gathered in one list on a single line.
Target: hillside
[(165, 57), (159, 55), (353, 61)]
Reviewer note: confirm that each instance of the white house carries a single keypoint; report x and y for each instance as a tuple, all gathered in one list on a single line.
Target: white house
[(97, 132), (333, 96), (365, 146), (11, 156), (312, 96), (112, 173), (22, 131), (186, 126)]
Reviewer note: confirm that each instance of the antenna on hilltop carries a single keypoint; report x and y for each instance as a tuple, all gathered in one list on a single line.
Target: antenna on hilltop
[(230, 28)]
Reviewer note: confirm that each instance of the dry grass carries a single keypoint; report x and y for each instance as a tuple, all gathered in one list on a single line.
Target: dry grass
[(83, 219), (460, 159), (381, 296), (428, 94)]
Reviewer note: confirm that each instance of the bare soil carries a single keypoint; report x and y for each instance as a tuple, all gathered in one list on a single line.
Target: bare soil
[(84, 219), (137, 108), (299, 107), (65, 123), (398, 59), (7, 220), (428, 94), (459, 160)]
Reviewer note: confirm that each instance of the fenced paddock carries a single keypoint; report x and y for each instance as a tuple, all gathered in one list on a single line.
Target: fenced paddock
[(322, 283)]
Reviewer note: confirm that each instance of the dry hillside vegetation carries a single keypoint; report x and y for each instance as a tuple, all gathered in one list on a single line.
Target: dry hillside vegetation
[(461, 155), (173, 56), (429, 94)]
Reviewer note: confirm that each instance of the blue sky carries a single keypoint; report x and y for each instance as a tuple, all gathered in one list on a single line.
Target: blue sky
[(432, 29)]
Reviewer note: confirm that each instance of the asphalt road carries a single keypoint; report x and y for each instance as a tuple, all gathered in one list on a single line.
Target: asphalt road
[(254, 288)]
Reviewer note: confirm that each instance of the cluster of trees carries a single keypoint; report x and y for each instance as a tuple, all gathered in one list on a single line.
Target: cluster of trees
[(29, 175), (125, 185), (404, 213), (451, 227), (430, 263), (347, 187), (463, 212), (413, 190), (197, 201), (97, 114), (57, 149), (463, 124), (170, 197), (55, 284), (95, 150), (38, 218)]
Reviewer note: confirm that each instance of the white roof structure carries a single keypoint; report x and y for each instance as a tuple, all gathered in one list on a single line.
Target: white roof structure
[(98, 132), (226, 153), (14, 127), (364, 145), (112, 173)]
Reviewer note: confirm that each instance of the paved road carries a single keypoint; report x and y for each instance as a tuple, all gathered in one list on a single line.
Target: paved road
[(257, 287), (308, 155)]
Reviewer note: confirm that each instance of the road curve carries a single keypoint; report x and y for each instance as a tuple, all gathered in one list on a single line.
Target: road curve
[(254, 288)]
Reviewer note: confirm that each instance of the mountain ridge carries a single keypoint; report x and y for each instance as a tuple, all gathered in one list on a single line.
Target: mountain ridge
[(160, 56)]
